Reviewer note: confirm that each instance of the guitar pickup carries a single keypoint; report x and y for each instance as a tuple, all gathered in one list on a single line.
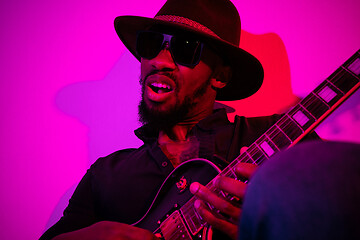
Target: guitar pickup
[(173, 227)]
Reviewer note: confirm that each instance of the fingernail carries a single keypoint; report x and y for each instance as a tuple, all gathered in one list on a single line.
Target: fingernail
[(197, 203), (238, 168), (194, 187)]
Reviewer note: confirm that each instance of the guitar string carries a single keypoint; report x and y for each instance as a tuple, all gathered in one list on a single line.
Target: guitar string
[(178, 230), (186, 207), (338, 76), (170, 228), (253, 149), (192, 213), (173, 233), (307, 103), (189, 213)]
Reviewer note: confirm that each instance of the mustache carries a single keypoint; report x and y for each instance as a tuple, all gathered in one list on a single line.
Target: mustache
[(160, 72)]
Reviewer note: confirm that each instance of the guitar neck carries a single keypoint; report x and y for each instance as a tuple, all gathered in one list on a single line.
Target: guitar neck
[(302, 119)]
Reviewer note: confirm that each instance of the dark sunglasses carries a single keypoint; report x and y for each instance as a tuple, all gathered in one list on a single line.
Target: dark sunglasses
[(184, 50)]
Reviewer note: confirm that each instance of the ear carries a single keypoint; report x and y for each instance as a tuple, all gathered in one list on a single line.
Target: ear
[(221, 77)]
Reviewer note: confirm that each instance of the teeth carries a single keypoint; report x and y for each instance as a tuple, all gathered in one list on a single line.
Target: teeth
[(161, 85)]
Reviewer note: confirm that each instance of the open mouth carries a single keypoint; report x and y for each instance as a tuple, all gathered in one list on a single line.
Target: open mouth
[(160, 87)]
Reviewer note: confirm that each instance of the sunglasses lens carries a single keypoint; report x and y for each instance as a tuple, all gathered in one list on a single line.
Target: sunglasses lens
[(148, 44), (186, 51)]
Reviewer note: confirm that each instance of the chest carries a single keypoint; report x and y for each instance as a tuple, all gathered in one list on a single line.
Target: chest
[(181, 151)]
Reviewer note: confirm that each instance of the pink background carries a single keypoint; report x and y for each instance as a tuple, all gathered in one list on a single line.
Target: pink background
[(69, 89)]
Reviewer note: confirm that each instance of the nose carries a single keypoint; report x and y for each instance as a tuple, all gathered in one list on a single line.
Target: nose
[(164, 59)]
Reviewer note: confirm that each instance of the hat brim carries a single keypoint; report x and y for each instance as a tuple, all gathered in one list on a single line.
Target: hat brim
[(247, 71)]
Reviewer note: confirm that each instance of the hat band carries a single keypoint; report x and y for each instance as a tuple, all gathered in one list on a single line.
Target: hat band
[(186, 21)]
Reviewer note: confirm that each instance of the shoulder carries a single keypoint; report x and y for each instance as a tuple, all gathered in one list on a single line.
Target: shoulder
[(119, 158), (248, 129), (258, 123)]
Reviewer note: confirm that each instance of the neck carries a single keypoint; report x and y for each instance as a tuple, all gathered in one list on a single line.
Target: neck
[(180, 131), (178, 142), (175, 134)]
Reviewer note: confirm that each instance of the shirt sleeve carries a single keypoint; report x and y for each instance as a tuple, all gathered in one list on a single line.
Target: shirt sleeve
[(78, 214)]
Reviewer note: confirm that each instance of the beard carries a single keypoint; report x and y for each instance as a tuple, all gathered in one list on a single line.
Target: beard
[(163, 120)]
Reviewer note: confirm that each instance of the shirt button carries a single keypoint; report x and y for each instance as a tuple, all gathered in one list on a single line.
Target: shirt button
[(164, 164)]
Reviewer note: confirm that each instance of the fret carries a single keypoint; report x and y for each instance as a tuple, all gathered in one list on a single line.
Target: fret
[(354, 68), (314, 105), (302, 116), (278, 137), (289, 127), (353, 64), (343, 80), (211, 186), (306, 112), (259, 148), (245, 158), (229, 171), (256, 154), (328, 93), (215, 190)]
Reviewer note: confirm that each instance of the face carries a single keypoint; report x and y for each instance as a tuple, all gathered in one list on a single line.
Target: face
[(172, 92)]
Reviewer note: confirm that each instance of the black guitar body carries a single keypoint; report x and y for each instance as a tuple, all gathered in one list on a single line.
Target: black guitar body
[(174, 192)]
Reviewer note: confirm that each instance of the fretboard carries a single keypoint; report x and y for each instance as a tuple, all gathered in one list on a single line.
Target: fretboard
[(302, 119)]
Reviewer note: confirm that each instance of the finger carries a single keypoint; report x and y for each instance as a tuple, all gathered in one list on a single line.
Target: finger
[(231, 186), (217, 202), (218, 223), (114, 230), (245, 170), (243, 149), (132, 233)]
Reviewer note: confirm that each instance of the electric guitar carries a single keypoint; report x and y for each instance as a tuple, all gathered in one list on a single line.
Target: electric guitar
[(172, 214)]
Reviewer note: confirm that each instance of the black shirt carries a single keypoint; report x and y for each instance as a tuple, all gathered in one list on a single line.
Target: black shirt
[(120, 187)]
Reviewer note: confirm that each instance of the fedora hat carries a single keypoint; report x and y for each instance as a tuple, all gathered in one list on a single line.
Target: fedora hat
[(217, 24)]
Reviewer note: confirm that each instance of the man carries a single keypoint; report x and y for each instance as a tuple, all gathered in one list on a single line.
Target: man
[(189, 58)]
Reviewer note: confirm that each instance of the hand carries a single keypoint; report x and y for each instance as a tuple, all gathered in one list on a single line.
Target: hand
[(228, 185), (107, 230)]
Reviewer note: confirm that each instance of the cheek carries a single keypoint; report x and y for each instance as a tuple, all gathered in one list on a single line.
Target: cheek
[(202, 71), (144, 67), (193, 78)]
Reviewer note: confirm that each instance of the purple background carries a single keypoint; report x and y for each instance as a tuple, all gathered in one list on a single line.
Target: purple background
[(69, 89)]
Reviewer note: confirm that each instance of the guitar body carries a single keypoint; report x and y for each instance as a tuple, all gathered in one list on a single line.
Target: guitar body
[(174, 193)]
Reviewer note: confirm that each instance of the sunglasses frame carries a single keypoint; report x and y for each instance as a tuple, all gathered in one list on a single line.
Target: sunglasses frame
[(167, 38)]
